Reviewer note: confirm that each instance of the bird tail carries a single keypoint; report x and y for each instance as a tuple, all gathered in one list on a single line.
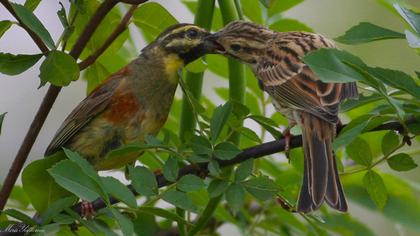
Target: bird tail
[(320, 176)]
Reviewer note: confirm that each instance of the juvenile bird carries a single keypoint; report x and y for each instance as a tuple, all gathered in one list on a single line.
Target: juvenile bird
[(131, 103), (297, 93)]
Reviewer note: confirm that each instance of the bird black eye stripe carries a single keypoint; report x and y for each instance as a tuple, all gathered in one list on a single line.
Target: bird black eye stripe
[(235, 47)]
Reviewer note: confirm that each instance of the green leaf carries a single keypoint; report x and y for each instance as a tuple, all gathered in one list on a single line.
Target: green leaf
[(397, 79), (94, 75), (217, 187), (328, 64), (62, 15), (367, 32), (4, 26), (351, 131), (411, 17), (226, 151), (119, 191), (350, 104), (360, 152), (20, 216), (170, 169), (15, 64), (201, 145), (126, 225), (197, 66), (261, 188), (235, 197), (88, 169), (57, 207), (32, 4), (214, 168), (279, 6), (220, 116), (179, 199), (189, 183), (376, 188), (152, 18), (285, 25), (239, 109), (401, 162), (145, 224), (71, 177), (155, 211), (389, 142), (198, 158), (252, 10), (40, 186), (250, 134), (152, 140), (402, 197), (244, 170), (143, 180), (344, 224), (1, 119), (59, 69), (18, 198), (29, 19), (268, 124)]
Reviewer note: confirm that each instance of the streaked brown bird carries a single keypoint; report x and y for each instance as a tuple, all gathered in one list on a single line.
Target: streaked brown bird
[(297, 93), (131, 103)]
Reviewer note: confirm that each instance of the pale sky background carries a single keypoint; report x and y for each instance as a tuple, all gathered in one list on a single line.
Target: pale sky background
[(20, 97)]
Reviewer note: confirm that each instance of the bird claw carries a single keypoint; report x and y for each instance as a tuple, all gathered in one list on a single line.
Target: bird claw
[(87, 210)]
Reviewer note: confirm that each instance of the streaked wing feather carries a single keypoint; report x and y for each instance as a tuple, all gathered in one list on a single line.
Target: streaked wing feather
[(91, 106), (290, 81)]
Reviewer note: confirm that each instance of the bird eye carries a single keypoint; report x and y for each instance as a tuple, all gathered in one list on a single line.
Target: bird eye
[(235, 47), (192, 33)]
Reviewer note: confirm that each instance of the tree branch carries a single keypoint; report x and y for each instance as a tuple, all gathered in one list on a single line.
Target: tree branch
[(122, 26), (52, 92), (32, 34), (252, 152)]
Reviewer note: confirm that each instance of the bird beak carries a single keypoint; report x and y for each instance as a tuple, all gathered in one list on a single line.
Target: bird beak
[(212, 45)]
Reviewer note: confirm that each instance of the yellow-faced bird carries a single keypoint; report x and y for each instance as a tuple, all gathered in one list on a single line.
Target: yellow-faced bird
[(131, 103), (297, 93)]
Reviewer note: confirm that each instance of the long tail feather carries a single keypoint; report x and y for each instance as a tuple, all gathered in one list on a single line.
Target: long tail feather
[(320, 181)]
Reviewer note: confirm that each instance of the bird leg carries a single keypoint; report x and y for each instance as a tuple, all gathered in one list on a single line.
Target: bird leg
[(287, 138), (87, 209)]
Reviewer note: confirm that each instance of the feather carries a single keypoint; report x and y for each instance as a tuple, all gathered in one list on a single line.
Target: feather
[(90, 107)]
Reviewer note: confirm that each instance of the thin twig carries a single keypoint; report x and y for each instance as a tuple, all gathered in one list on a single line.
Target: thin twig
[(122, 26), (90, 28)]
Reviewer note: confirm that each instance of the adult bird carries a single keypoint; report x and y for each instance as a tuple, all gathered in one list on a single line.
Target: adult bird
[(297, 93), (131, 103)]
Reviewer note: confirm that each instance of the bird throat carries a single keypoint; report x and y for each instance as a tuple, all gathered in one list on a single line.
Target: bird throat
[(172, 63)]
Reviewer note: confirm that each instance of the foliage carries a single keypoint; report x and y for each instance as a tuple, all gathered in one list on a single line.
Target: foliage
[(257, 195)]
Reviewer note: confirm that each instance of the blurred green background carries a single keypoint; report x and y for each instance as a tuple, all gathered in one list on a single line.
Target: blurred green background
[(331, 18)]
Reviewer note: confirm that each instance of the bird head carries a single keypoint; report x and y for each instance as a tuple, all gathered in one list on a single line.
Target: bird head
[(242, 40), (183, 40)]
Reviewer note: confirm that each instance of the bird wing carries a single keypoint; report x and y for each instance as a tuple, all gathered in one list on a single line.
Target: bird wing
[(290, 81), (90, 107)]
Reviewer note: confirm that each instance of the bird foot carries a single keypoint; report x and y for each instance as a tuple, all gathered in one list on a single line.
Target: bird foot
[(87, 210)]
